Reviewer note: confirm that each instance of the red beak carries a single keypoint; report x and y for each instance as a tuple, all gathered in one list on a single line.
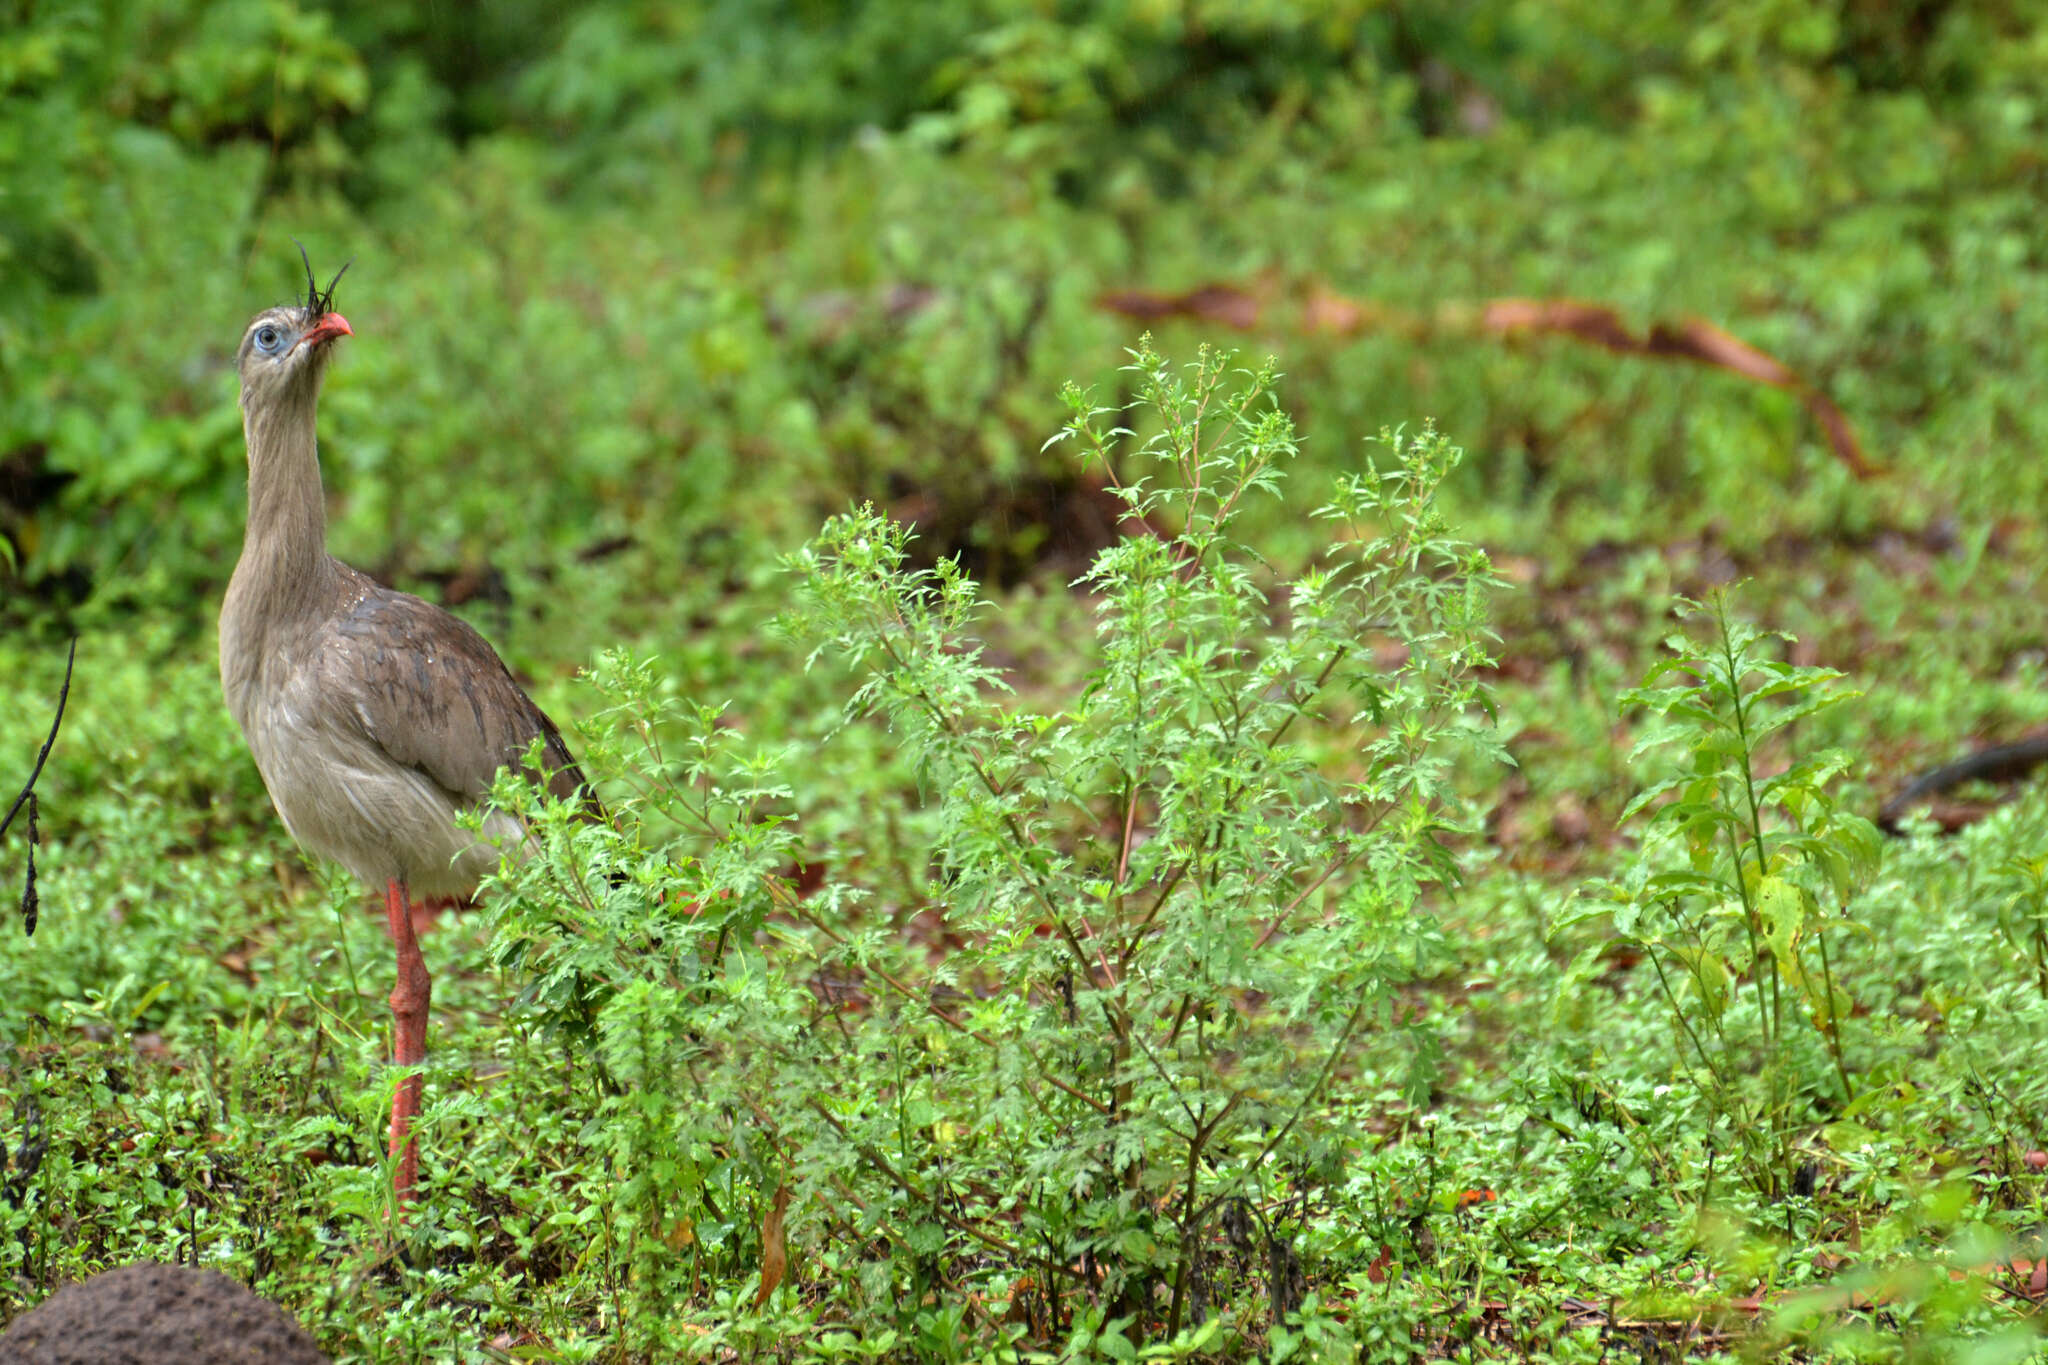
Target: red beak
[(330, 326)]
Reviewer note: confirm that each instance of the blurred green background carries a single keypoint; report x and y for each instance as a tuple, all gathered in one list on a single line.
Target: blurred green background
[(641, 290)]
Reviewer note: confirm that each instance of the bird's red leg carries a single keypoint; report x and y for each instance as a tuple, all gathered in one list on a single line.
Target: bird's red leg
[(409, 999)]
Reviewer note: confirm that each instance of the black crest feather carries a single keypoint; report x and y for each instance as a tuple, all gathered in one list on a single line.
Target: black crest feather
[(320, 301)]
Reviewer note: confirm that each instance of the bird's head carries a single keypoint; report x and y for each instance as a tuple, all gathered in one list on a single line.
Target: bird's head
[(284, 349)]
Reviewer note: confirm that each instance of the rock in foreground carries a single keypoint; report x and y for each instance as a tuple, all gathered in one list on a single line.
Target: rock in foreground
[(152, 1314)]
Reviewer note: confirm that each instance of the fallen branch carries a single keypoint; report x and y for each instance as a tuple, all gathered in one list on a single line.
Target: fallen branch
[(1321, 311), (1998, 763), (30, 901)]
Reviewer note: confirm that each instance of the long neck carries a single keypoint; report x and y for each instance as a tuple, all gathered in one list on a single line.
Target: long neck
[(284, 566)]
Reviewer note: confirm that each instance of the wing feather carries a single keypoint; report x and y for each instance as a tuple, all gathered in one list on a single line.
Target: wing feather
[(434, 696)]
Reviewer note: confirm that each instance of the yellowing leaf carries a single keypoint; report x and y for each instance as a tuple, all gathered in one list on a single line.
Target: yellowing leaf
[(1782, 908)]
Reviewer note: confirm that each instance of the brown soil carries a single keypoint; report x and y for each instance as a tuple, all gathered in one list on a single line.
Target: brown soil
[(153, 1314)]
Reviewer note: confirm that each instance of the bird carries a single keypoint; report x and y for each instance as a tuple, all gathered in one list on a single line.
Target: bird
[(376, 719)]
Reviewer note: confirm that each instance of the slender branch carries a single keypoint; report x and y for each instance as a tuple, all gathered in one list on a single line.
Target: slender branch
[(1336, 657), (1159, 903), (779, 892), (1166, 1076), (1827, 979), (1684, 1023), (1123, 853), (1308, 1096), (1734, 675), (791, 905), (63, 694), (1280, 917), (874, 1157), (30, 901), (1173, 880), (945, 722)]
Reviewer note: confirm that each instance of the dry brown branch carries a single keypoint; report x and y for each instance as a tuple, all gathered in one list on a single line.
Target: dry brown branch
[(1320, 311)]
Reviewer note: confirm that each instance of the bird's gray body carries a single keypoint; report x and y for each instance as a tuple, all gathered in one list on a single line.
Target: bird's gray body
[(375, 718)]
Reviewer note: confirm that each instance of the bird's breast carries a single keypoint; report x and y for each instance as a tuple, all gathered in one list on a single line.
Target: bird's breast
[(343, 798)]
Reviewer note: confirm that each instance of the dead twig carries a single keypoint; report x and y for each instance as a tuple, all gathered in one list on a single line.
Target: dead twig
[(1998, 763), (1317, 310), (30, 901)]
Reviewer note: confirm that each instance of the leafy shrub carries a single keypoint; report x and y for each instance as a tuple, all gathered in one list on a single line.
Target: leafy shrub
[(1737, 935), (1087, 1020)]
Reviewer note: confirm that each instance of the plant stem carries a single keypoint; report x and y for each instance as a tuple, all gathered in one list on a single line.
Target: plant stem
[(1827, 978), (791, 905)]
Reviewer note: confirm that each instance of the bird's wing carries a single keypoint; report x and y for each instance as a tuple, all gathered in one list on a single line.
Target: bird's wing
[(430, 692)]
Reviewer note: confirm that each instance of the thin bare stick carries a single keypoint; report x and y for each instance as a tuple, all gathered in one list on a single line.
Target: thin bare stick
[(63, 694), (30, 901)]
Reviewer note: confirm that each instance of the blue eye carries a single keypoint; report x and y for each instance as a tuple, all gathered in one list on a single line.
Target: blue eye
[(267, 338)]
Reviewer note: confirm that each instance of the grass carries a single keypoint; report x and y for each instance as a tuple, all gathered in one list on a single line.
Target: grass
[(609, 377), (200, 1027)]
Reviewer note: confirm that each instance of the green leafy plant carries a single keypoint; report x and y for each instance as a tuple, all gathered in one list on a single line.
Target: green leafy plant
[(1171, 903), (2024, 915), (1769, 867), (1178, 916), (643, 293)]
